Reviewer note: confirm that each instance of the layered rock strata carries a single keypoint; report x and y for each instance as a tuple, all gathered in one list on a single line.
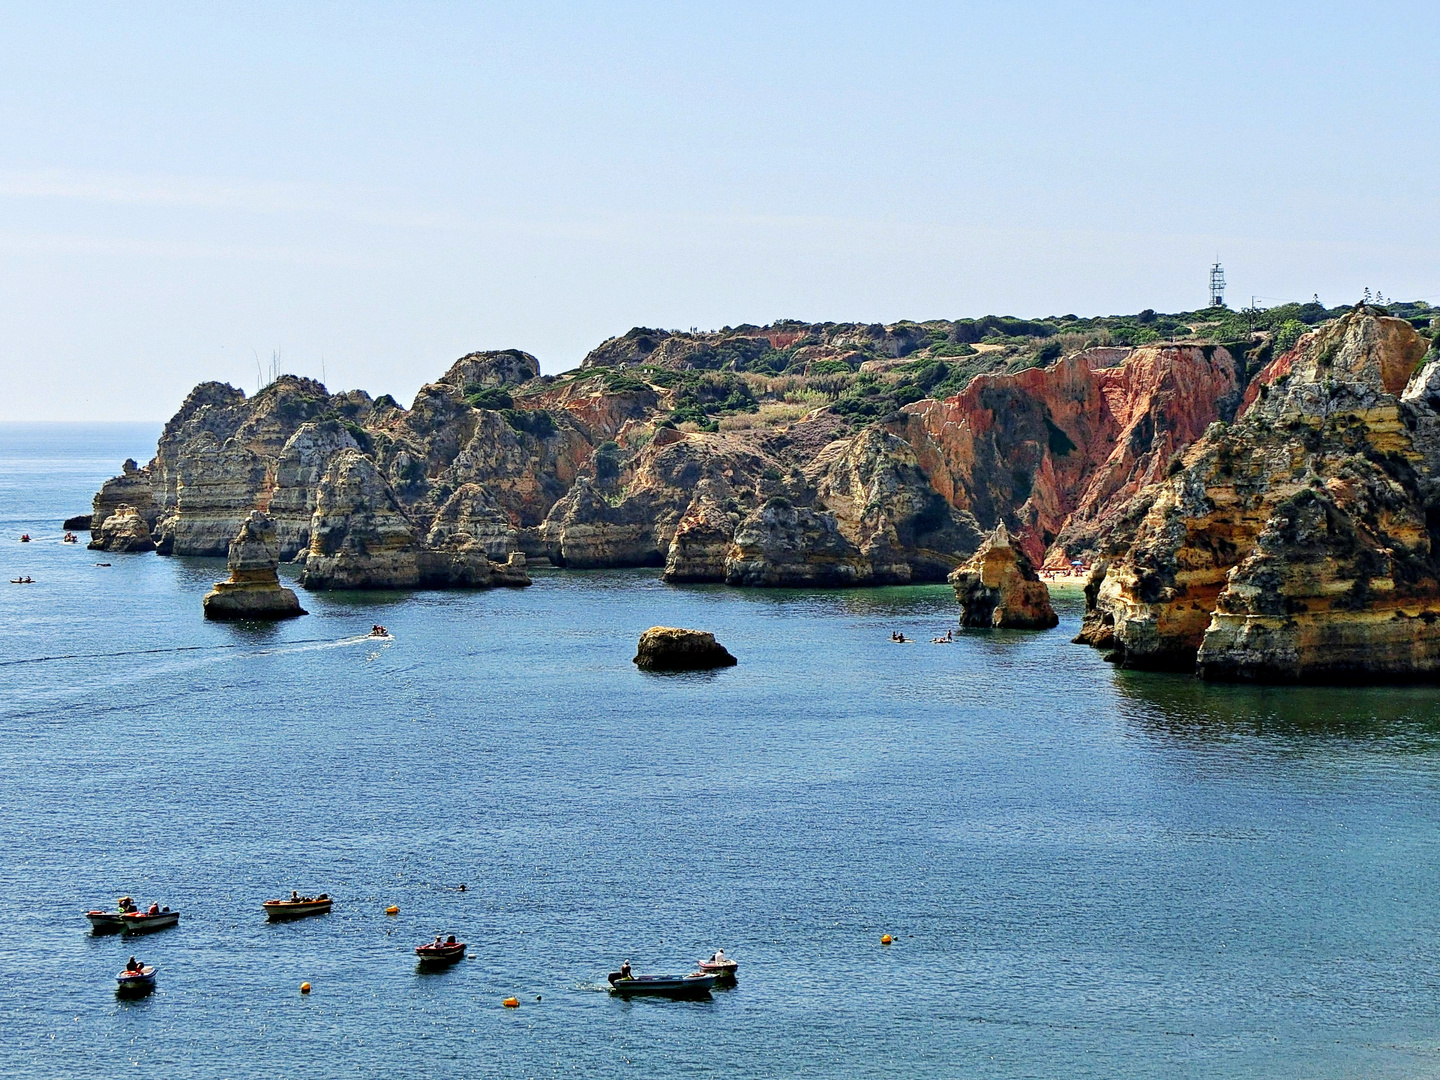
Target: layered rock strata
[(253, 590), (588, 470), (668, 648), (1058, 452), (998, 587), (361, 539), (123, 529), (132, 489), (1299, 543)]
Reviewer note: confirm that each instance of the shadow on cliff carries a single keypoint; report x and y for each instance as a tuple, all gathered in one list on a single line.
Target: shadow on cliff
[(1404, 719)]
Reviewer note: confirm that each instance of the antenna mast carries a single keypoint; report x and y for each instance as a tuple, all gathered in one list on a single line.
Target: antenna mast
[(1217, 285)]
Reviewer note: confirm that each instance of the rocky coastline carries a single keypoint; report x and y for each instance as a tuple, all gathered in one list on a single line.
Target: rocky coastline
[(1302, 542), (1250, 515)]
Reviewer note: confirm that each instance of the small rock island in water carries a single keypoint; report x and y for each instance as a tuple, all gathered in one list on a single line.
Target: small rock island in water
[(253, 590), (667, 648), (1257, 505)]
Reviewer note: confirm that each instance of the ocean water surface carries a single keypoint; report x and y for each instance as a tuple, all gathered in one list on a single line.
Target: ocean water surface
[(1087, 873)]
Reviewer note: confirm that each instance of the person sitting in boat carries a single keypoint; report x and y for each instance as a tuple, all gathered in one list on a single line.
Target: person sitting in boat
[(451, 940), (133, 965), (438, 941), (126, 905), (625, 972), (154, 909), (294, 896), (322, 898), (719, 957)]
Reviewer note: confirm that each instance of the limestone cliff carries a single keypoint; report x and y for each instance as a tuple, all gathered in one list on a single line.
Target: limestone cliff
[(782, 544), (360, 538), (1297, 544), (123, 529), (998, 587), (492, 460), (298, 469), (133, 490), (253, 590)]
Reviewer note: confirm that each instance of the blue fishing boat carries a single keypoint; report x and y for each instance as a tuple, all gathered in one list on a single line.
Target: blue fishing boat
[(696, 984)]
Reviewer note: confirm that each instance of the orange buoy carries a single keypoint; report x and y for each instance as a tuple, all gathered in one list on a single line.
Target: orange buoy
[(511, 1003), (392, 910), (304, 988), (885, 939)]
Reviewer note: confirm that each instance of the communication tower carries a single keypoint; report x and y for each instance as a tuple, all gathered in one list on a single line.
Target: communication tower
[(1217, 285)]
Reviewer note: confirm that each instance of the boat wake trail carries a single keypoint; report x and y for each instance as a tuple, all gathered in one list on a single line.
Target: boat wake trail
[(300, 645)]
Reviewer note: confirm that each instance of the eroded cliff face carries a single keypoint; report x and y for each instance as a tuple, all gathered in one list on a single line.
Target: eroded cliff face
[(123, 529), (587, 471), (298, 469), (1297, 543), (360, 538), (1056, 453)]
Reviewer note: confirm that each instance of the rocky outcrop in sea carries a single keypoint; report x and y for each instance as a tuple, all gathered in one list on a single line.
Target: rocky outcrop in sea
[(668, 648), (253, 590), (123, 529), (998, 587), (1299, 543)]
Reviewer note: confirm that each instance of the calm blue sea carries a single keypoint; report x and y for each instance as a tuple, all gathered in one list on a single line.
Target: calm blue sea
[(1087, 873)]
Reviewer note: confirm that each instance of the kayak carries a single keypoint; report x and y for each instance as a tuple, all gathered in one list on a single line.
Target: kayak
[(142, 922), (136, 982), (280, 910), (443, 953), (693, 985)]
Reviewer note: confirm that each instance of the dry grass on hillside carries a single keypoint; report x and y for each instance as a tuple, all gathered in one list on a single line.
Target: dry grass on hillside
[(771, 414)]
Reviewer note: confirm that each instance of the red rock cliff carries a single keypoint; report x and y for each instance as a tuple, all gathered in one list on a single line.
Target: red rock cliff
[(1057, 452)]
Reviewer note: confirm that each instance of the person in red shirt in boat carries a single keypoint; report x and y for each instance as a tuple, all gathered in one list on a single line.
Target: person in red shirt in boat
[(134, 965), (154, 909)]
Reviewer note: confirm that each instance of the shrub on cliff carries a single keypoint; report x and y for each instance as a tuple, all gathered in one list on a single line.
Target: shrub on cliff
[(537, 422), (488, 397)]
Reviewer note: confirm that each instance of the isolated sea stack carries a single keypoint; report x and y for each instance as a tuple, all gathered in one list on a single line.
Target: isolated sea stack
[(253, 591), (998, 587), (1299, 543), (666, 648)]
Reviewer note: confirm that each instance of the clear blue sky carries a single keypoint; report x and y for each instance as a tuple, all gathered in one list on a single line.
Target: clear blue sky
[(381, 188)]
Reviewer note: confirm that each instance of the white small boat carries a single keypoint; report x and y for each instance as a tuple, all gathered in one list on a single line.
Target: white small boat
[(142, 922), (136, 982), (721, 966), (282, 910)]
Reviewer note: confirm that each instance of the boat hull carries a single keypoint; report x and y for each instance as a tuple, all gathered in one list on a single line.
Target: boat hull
[(134, 984), (105, 922), (724, 973), (673, 986), (430, 956), (289, 910), (145, 924)]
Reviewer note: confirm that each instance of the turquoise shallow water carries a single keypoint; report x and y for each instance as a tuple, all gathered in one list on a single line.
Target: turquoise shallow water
[(1087, 872)]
